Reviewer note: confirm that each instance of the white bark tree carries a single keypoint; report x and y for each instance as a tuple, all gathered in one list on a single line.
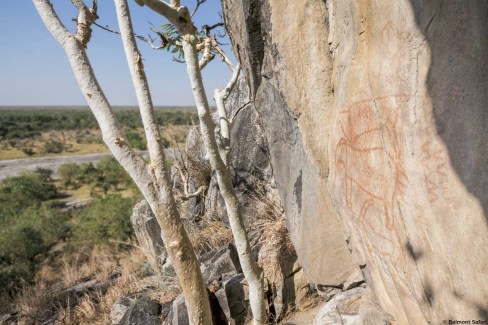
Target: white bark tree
[(152, 179), (180, 17)]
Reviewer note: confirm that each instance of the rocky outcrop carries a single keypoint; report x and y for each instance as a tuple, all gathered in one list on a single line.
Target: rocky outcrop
[(352, 307), (312, 221), (133, 311), (375, 113), (148, 233)]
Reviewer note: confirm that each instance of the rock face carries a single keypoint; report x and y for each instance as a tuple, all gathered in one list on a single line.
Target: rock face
[(130, 311), (148, 233), (375, 113)]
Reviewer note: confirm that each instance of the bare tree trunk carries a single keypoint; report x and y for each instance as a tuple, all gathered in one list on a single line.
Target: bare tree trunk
[(153, 180), (180, 18), (251, 270), (177, 242)]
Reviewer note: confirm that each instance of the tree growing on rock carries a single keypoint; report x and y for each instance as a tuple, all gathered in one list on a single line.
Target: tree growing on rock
[(153, 179), (180, 17)]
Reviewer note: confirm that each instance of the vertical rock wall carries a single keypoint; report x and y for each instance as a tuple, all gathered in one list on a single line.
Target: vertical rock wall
[(376, 114)]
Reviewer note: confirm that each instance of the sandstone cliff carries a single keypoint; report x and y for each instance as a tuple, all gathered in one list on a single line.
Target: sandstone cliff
[(375, 114)]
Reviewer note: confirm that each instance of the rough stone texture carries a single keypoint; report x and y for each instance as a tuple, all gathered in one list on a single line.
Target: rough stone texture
[(288, 287), (178, 314), (353, 281), (215, 265), (249, 158), (198, 171), (313, 223), (233, 298), (375, 112), (148, 234), (353, 307), (131, 311)]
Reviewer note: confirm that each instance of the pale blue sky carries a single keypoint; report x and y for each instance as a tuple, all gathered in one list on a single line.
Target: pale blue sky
[(35, 71)]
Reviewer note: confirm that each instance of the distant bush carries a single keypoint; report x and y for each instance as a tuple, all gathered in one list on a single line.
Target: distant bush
[(107, 219), (136, 140), (53, 147), (112, 174), (24, 238), (28, 151), (24, 191), (29, 123), (69, 174), (28, 225)]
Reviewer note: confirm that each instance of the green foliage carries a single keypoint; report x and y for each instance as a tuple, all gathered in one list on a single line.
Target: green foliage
[(88, 174), (46, 175), (24, 239), (171, 37), (28, 151), (136, 140), (68, 174), (29, 123), (28, 225), (53, 147), (23, 191), (105, 220), (112, 174)]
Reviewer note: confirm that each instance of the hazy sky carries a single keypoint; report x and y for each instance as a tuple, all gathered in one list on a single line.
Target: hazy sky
[(35, 70)]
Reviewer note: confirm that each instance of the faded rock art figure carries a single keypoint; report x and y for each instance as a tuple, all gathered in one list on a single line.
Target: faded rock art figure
[(370, 171)]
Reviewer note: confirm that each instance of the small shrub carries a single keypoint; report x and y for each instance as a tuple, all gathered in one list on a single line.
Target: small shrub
[(68, 174), (112, 173), (136, 140), (28, 151), (105, 220), (53, 147)]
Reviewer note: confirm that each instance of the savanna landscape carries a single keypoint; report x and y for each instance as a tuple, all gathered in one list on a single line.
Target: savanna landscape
[(265, 162)]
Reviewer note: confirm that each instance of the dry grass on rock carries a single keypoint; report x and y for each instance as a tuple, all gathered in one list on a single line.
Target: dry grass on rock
[(115, 276)]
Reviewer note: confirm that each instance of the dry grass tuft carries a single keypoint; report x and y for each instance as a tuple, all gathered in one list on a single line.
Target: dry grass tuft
[(41, 302), (209, 235), (275, 242)]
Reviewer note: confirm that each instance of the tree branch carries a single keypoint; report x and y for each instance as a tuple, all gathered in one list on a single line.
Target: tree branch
[(153, 136), (140, 37), (199, 3), (111, 132), (221, 53), (162, 8), (220, 96), (207, 54), (86, 17)]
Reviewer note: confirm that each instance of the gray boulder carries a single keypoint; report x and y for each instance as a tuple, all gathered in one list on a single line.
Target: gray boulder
[(353, 307), (233, 298), (216, 265), (178, 314), (148, 234), (133, 311)]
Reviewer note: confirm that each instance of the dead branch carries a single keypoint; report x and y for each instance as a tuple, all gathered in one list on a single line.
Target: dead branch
[(199, 3)]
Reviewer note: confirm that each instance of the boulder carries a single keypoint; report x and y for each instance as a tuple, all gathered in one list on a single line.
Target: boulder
[(219, 264), (198, 171), (135, 311), (354, 280), (352, 307), (178, 314), (148, 233), (233, 298)]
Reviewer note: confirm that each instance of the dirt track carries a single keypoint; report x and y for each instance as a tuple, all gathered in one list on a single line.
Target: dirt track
[(14, 167)]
